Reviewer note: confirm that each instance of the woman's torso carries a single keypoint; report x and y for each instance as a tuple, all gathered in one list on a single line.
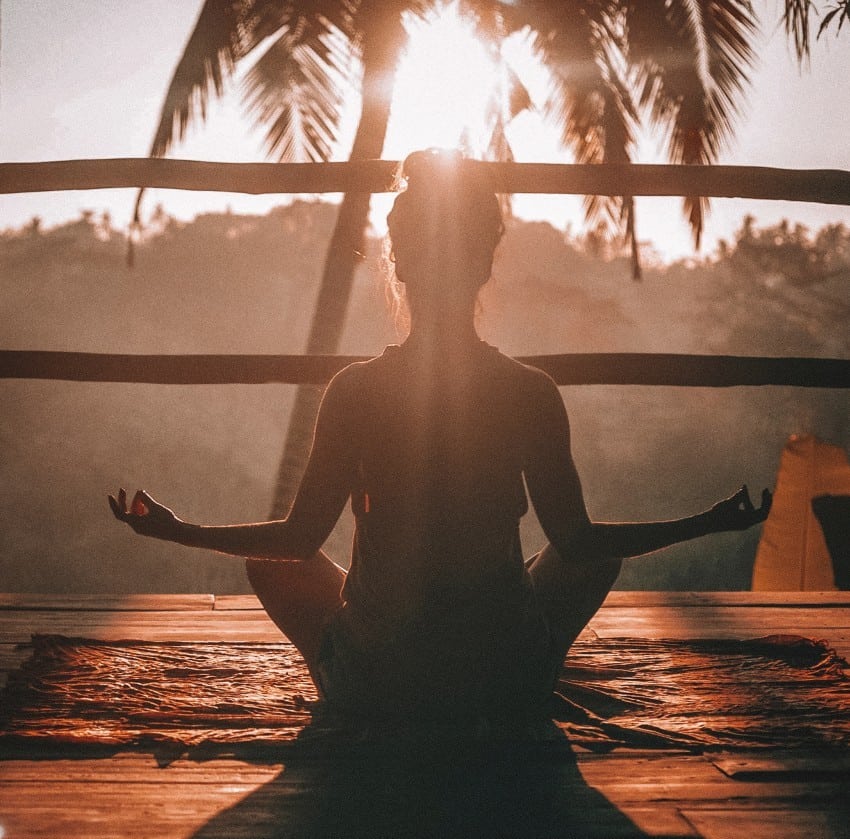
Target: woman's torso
[(437, 587)]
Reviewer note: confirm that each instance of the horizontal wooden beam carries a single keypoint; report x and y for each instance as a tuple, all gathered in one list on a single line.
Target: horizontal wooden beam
[(571, 369), (757, 182)]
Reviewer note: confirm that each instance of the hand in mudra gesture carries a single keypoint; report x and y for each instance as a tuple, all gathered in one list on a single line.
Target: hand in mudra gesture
[(145, 515), (738, 513)]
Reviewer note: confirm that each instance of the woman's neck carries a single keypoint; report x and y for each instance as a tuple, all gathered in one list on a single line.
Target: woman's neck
[(443, 336)]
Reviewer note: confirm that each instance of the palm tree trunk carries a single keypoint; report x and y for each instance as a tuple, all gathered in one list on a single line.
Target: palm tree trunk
[(381, 49)]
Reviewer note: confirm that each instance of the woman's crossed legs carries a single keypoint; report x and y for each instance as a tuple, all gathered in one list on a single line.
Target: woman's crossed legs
[(301, 596)]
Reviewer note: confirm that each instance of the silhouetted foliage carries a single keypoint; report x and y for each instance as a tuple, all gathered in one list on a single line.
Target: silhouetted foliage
[(800, 281), (797, 19)]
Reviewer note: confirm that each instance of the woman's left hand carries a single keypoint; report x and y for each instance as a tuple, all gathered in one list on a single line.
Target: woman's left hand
[(145, 515), (738, 513)]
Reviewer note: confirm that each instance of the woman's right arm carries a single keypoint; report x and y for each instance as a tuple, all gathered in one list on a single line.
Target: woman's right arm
[(318, 503), (259, 540)]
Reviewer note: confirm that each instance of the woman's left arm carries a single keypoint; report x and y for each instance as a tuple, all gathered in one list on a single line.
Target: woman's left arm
[(321, 497), (555, 490), (629, 539)]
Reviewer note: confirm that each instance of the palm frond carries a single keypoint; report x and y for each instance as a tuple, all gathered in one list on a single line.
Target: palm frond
[(296, 89), (486, 18), (509, 97), (517, 98), (564, 37), (619, 119), (612, 127), (379, 24), (224, 33), (838, 13), (590, 100), (795, 19), (504, 106), (499, 148), (210, 55), (691, 61)]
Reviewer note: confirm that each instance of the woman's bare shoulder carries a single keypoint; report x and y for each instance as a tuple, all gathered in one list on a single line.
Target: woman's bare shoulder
[(355, 379), (526, 376)]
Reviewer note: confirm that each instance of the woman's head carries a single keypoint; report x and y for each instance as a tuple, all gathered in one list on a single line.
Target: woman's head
[(444, 227)]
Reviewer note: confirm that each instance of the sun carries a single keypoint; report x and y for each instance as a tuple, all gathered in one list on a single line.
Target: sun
[(445, 87), (446, 84), (448, 87)]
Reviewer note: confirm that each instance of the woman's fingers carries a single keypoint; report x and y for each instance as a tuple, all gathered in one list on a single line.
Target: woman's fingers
[(146, 515), (141, 503), (119, 505), (741, 500), (747, 507), (147, 500), (116, 509), (738, 511)]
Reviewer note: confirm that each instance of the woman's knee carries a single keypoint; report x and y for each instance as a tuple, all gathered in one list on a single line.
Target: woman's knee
[(260, 572), (570, 592), (549, 566), (317, 577), (607, 570)]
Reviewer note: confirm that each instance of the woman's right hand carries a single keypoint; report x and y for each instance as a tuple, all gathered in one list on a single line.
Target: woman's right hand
[(145, 515)]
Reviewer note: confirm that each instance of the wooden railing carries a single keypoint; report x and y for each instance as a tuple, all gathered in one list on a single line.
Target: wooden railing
[(824, 186), (821, 186), (569, 369)]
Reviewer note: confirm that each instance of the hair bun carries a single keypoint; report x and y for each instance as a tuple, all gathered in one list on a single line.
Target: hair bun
[(446, 203), (430, 165)]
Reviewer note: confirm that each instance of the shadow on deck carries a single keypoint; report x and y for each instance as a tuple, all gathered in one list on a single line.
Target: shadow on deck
[(438, 788)]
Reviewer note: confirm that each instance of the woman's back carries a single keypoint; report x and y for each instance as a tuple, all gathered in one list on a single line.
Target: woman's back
[(437, 483)]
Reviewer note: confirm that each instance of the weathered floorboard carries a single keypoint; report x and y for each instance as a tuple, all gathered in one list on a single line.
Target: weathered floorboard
[(788, 823), (785, 764), (656, 622), (749, 599), (642, 599), (108, 602)]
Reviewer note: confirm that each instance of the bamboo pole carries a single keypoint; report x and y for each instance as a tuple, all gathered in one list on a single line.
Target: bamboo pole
[(755, 182), (664, 369)]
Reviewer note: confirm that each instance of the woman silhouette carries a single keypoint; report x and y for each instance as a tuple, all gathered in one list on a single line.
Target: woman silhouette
[(437, 443)]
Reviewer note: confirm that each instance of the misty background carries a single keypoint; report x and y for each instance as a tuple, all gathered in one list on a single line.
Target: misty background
[(228, 283)]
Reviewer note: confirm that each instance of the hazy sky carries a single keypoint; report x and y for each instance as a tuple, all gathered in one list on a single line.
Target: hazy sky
[(83, 79)]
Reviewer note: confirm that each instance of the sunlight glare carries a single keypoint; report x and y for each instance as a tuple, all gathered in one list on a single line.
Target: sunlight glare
[(445, 85)]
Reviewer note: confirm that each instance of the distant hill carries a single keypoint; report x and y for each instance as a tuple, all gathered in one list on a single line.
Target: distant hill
[(226, 283)]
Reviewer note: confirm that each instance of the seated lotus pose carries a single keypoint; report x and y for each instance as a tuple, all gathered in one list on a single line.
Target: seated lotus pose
[(438, 443)]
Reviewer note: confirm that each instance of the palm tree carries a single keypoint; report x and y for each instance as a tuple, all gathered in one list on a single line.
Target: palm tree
[(683, 63)]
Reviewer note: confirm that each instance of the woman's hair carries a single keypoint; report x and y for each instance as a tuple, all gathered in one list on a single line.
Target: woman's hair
[(446, 217)]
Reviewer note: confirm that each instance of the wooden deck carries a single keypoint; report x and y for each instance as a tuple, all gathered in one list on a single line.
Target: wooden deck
[(625, 793)]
